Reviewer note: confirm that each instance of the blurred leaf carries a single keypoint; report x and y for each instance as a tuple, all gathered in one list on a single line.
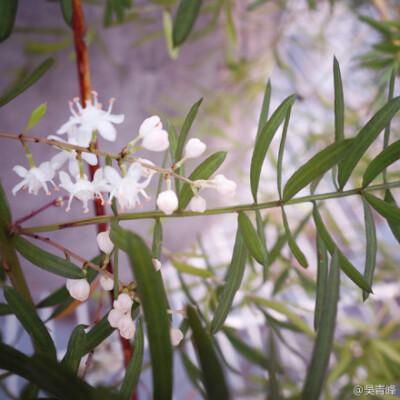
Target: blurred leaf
[(255, 4), (261, 235), (30, 321), (75, 349), (230, 27), (280, 280), (185, 20), (5, 309), (365, 138), (188, 269), (36, 47), (193, 372), (135, 365), (157, 240), (232, 283), (280, 154), (263, 141), (8, 10), (30, 391), (117, 7), (154, 302), (67, 11), (203, 171), (385, 158), (387, 210), (36, 116), (264, 108), (4, 206), (27, 82), (388, 350), (101, 331), (345, 264), (167, 25), (214, 381), (395, 228), (382, 27), (316, 166), (339, 102), (251, 239), (45, 260), (273, 385), (173, 141), (322, 277), (323, 343)]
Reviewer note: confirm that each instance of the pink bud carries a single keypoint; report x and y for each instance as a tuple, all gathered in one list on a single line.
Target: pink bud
[(198, 204), (157, 264), (114, 316), (225, 186), (150, 124), (156, 140), (125, 322), (106, 283), (167, 202), (123, 303), (104, 242), (129, 332), (79, 289), (194, 148), (175, 335)]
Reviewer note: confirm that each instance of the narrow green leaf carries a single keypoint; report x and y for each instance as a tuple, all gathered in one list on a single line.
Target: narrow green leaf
[(5, 211), (173, 141), (322, 277), (251, 239), (323, 343), (101, 331), (57, 297), (30, 321), (30, 391), (214, 380), (36, 116), (387, 210), (273, 386), (387, 129), (316, 166), (5, 309), (75, 349), (395, 228), (339, 102), (45, 260), (385, 158), (281, 151), (264, 108), (67, 11), (135, 365), (193, 372), (300, 257), (188, 269), (232, 283), (203, 171), (157, 239), (27, 82), (261, 235), (185, 19), (371, 246), (365, 138), (255, 4), (168, 30), (264, 140), (8, 10), (345, 264), (154, 302)]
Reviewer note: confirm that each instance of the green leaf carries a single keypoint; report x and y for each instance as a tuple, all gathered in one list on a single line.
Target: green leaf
[(67, 11), (261, 235), (387, 129), (380, 162), (173, 141), (255, 4), (264, 108), (5, 211), (316, 166), (30, 321), (280, 154), (273, 385), (168, 30), (75, 349), (323, 343), (387, 210), (395, 228), (185, 19), (45, 260), (345, 264), (135, 365), (264, 140), (36, 116), (58, 296), (371, 245), (300, 257), (188, 269), (365, 138), (5, 309), (157, 240), (339, 102), (101, 331), (251, 239), (8, 10), (232, 283), (214, 380), (322, 277), (154, 302), (203, 171), (27, 82), (193, 372)]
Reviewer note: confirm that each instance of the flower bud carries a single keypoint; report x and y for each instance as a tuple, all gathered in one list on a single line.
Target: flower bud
[(225, 186), (175, 336), (194, 148), (106, 283), (156, 140), (157, 264), (79, 289), (129, 332), (150, 124), (114, 316), (167, 202), (198, 204), (123, 303), (104, 242), (125, 322)]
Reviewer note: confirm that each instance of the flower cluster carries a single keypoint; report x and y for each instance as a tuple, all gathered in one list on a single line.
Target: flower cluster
[(120, 316)]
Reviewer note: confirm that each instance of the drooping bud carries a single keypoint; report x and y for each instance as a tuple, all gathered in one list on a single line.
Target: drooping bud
[(104, 242), (79, 289), (114, 316), (175, 335), (157, 264), (106, 283), (156, 140), (150, 124), (123, 303), (167, 202), (129, 332), (198, 204), (225, 186), (194, 148)]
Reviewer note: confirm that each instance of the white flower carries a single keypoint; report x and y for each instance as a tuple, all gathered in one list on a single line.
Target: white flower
[(150, 124), (123, 303), (35, 178), (93, 118), (194, 148), (104, 242), (167, 202), (157, 264), (175, 335), (106, 283), (156, 140), (79, 289), (114, 316), (146, 172), (224, 186), (198, 204)]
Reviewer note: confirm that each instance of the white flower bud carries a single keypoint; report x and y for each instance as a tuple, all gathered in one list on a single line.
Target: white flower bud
[(104, 242), (129, 332), (167, 202), (198, 204), (194, 148), (150, 124), (175, 336), (125, 322), (123, 303), (114, 316), (156, 140), (225, 186), (157, 264), (106, 283), (79, 289)]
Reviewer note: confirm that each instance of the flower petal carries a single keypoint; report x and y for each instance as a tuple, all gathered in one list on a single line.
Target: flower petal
[(107, 130), (112, 176), (20, 171)]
